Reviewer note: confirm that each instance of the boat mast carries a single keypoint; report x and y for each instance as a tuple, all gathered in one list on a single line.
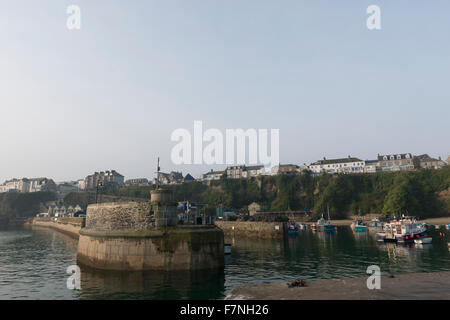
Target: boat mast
[(328, 209), (157, 176)]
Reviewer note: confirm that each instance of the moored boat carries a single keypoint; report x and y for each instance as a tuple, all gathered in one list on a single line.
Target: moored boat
[(292, 227), (403, 230), (359, 226), (324, 225), (375, 224)]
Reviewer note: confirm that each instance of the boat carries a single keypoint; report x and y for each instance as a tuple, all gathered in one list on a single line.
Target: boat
[(302, 226), (376, 224), (359, 226), (405, 230), (423, 240), (227, 248), (447, 226), (292, 227), (324, 225)]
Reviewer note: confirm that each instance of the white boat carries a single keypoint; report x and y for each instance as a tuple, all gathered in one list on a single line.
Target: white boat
[(423, 240), (405, 229)]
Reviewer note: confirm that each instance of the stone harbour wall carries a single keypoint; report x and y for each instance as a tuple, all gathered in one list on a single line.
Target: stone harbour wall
[(252, 228), (119, 216), (123, 236), (69, 226), (178, 248)]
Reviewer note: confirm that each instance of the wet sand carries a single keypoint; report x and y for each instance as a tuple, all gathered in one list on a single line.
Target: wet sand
[(414, 286)]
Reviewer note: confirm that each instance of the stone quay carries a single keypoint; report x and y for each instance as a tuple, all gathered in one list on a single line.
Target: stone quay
[(147, 236)]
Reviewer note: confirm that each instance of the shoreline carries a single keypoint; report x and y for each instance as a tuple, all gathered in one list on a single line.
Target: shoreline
[(413, 286), (431, 221)]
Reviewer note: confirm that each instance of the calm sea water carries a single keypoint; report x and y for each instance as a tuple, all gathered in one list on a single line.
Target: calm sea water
[(33, 265)]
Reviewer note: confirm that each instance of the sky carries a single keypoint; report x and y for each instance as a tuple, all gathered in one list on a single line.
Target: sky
[(108, 96)]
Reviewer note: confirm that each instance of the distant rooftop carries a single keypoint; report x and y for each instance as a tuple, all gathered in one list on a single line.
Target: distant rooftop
[(341, 160)]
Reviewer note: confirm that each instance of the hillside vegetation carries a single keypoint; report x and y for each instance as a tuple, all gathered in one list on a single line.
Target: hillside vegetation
[(23, 205), (423, 193)]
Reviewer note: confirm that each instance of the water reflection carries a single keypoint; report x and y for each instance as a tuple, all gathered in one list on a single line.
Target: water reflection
[(204, 284), (322, 255)]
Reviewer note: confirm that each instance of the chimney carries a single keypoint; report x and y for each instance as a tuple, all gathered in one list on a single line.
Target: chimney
[(324, 158)]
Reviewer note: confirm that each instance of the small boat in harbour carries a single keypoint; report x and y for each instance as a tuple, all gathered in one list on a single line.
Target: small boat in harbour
[(375, 224), (405, 230), (423, 240), (324, 225), (292, 228)]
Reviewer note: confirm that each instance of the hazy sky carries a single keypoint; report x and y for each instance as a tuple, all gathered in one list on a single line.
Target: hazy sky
[(108, 96)]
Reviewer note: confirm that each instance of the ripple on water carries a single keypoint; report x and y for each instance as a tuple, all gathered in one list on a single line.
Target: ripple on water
[(33, 265)]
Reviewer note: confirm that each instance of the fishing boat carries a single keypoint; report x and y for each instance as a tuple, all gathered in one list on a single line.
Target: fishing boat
[(405, 230), (358, 226), (324, 225), (375, 223), (292, 227), (423, 240)]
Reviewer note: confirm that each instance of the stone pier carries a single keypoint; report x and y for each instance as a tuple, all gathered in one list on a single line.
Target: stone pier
[(145, 236)]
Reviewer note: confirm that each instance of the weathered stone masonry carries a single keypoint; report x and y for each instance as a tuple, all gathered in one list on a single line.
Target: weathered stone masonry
[(144, 236)]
